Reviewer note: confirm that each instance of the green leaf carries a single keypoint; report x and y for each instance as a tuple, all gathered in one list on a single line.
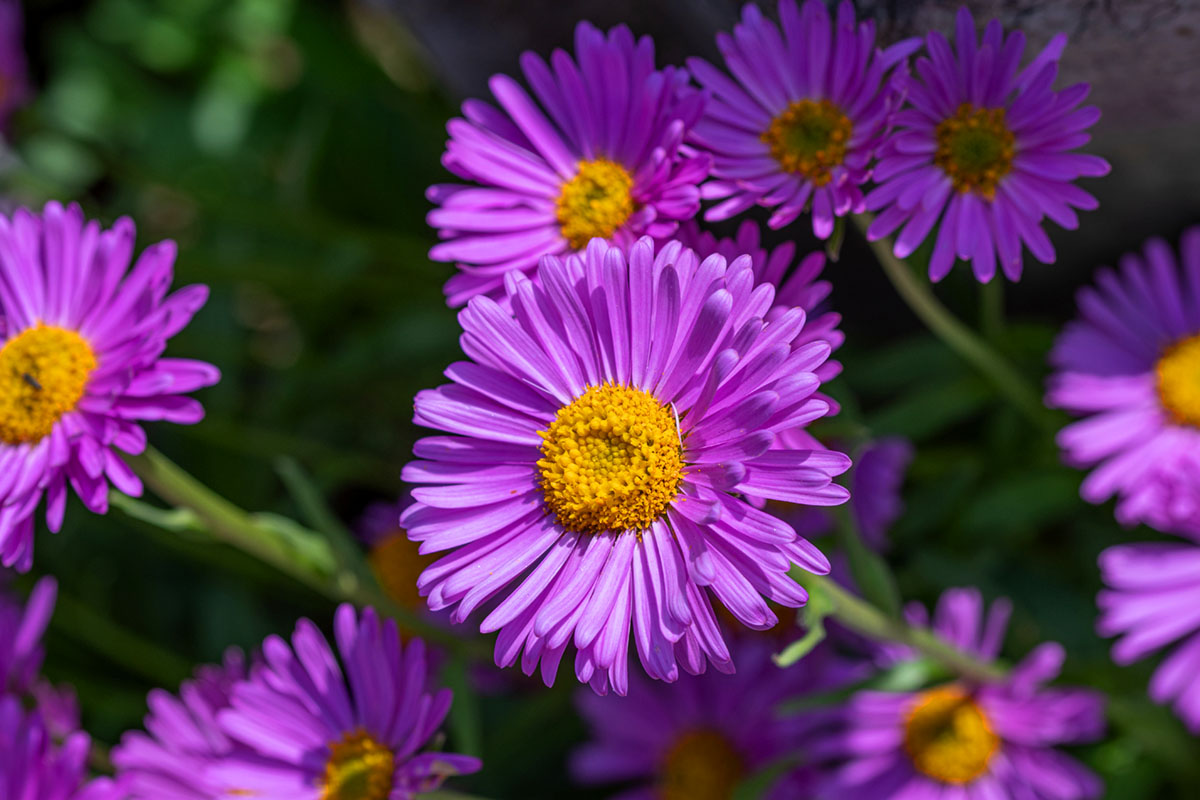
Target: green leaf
[(812, 617)]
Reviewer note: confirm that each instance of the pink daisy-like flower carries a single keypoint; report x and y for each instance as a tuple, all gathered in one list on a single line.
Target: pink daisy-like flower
[(603, 445), (173, 758), (1131, 366), (81, 365), (1153, 601), (599, 153), (799, 123), (986, 148), (994, 740), (33, 767), (302, 734), (698, 738), (14, 69)]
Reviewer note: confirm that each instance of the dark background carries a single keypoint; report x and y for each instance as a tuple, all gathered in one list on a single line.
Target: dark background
[(286, 146)]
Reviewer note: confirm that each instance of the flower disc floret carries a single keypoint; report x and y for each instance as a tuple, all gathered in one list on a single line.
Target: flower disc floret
[(975, 148), (596, 202), (359, 768), (1179, 381), (43, 374), (701, 765), (809, 138), (611, 460), (948, 736)]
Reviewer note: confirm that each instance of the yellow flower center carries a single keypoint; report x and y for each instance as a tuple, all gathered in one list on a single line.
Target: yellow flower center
[(43, 374), (975, 148), (948, 736), (701, 765), (359, 768), (1179, 381), (611, 460), (809, 138), (397, 563), (597, 201)]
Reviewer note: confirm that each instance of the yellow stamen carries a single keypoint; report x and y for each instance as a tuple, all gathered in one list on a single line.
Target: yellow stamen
[(975, 148), (596, 202), (948, 737), (611, 460), (359, 768), (701, 765), (43, 374), (397, 563), (1179, 381), (809, 138)]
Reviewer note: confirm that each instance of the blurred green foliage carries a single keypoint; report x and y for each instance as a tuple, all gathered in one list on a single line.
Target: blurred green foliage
[(286, 146)]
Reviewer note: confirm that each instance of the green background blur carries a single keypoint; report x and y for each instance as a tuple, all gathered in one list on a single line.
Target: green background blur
[(286, 147)]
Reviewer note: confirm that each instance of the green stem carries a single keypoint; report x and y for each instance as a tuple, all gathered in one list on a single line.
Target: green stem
[(864, 618), (958, 337), (229, 524)]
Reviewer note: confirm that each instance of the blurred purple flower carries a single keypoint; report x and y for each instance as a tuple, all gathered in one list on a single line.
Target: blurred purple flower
[(14, 69), (984, 147), (1131, 365), (1153, 601), (33, 767), (993, 740)]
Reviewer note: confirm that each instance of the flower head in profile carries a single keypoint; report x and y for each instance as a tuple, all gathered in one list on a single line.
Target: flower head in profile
[(310, 726), (1130, 366), (173, 758), (598, 151), (14, 68), (798, 124), (1150, 601), (986, 147), (81, 365), (33, 766), (602, 454), (698, 738), (968, 740)]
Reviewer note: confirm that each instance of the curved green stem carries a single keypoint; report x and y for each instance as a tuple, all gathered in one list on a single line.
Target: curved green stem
[(957, 336), (864, 618), (302, 554)]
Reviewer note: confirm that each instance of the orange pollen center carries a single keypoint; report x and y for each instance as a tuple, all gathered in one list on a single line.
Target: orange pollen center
[(975, 148), (1179, 381), (397, 563), (611, 460), (595, 203), (701, 765), (43, 375), (359, 768), (809, 138), (948, 737)]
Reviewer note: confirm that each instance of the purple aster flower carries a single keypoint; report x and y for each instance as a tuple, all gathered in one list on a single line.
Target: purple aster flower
[(304, 735), (21, 629), (1131, 365), (173, 758), (994, 740), (603, 445), (600, 152), (81, 342), (875, 499), (698, 738), (985, 147), (799, 123), (33, 767), (1152, 601), (14, 70)]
